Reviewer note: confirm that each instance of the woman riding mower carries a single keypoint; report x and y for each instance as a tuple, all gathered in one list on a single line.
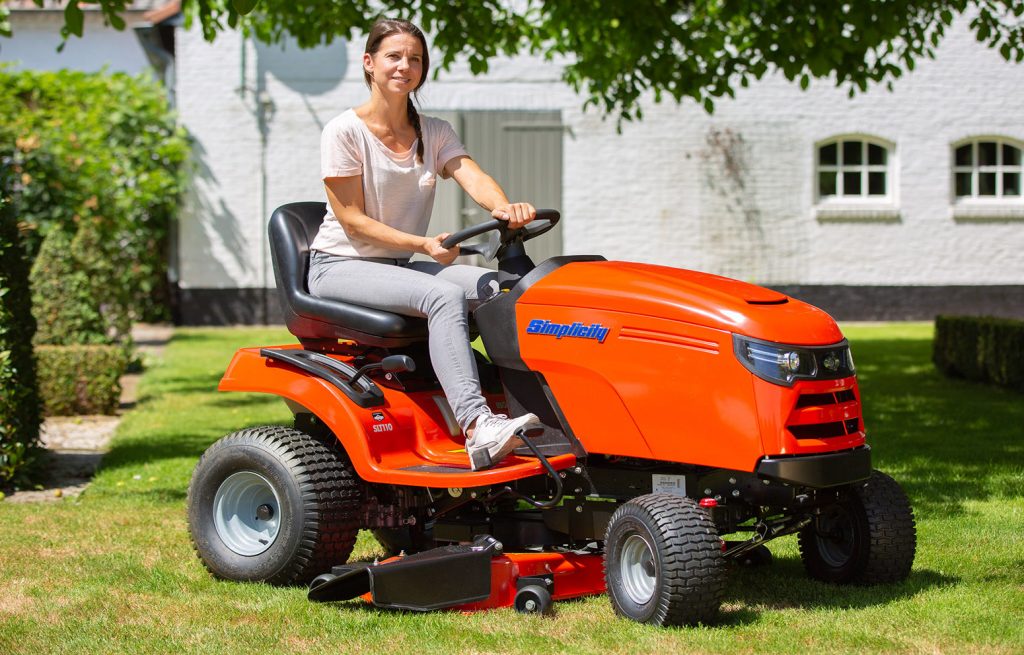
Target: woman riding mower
[(379, 164)]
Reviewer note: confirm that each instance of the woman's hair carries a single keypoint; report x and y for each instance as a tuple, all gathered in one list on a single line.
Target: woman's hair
[(382, 29)]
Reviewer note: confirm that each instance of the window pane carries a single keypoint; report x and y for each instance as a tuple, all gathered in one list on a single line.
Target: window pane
[(876, 184), (986, 153), (1011, 184), (986, 184), (852, 152), (851, 183), (827, 155), (963, 184), (826, 184), (1011, 156), (963, 155), (876, 155)]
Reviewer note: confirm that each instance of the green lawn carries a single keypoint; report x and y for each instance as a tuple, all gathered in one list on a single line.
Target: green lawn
[(113, 571)]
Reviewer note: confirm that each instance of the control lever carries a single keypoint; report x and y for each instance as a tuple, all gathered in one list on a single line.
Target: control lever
[(391, 364)]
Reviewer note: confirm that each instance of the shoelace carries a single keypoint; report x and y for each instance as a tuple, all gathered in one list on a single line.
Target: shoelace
[(493, 418)]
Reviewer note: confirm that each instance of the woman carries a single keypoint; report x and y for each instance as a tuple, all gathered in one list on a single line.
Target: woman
[(379, 163)]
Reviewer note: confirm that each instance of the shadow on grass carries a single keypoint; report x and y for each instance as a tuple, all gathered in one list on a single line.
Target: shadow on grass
[(180, 444), (783, 584), (946, 441)]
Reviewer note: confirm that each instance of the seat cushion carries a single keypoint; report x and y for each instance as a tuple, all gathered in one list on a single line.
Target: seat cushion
[(291, 230)]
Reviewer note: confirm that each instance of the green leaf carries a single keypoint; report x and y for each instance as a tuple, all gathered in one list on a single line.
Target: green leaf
[(244, 6), (74, 18)]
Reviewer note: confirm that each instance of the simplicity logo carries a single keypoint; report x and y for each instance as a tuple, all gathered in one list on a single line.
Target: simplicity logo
[(559, 330)]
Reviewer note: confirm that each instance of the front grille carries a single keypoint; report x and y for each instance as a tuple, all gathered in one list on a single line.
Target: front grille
[(819, 430), (827, 429), (819, 399)]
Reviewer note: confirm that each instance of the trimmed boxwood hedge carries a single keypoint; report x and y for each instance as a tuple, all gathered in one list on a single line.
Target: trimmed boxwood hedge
[(80, 379), (980, 348)]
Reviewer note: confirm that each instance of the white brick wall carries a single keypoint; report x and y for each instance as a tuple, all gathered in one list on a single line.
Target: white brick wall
[(659, 192)]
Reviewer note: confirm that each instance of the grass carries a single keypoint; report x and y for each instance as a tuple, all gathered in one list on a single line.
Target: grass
[(113, 571)]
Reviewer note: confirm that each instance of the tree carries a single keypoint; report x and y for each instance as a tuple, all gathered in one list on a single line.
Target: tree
[(615, 51)]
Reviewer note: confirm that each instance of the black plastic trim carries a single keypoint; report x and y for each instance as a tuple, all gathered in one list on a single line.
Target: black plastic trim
[(496, 318), (337, 373), (824, 470)]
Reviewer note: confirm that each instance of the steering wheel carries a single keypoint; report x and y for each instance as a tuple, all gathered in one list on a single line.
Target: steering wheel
[(544, 221)]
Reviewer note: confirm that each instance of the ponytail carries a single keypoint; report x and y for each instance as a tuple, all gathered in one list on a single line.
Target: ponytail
[(414, 118)]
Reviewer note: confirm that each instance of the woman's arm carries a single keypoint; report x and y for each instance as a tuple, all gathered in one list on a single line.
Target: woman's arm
[(346, 197), (482, 188)]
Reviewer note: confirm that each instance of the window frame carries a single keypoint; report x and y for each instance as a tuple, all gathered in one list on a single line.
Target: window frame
[(863, 207), (977, 208)]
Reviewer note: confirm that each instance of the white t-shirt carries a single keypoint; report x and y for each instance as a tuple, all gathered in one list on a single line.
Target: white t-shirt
[(397, 190)]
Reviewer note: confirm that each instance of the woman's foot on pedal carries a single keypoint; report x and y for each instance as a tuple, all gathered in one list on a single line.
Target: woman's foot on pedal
[(494, 438)]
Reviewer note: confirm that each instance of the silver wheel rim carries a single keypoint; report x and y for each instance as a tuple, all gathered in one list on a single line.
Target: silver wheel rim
[(838, 546), (638, 569), (246, 513)]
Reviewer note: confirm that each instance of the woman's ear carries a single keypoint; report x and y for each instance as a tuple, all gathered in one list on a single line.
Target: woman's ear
[(368, 63)]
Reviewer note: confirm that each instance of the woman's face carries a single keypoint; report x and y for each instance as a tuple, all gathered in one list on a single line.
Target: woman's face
[(397, 66)]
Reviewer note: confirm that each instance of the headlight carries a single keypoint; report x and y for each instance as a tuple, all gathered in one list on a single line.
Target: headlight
[(783, 364)]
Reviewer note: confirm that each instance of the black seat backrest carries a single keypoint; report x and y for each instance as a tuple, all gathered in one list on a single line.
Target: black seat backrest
[(310, 318)]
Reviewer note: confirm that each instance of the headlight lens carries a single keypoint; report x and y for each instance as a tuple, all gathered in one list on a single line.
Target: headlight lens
[(783, 364)]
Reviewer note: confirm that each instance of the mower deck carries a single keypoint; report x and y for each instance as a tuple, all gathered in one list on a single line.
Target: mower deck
[(467, 578)]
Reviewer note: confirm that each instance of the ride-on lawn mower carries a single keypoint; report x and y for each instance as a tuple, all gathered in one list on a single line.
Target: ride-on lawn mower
[(678, 406)]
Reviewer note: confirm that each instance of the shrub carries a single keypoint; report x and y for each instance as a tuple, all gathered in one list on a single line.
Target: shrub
[(19, 399), (72, 281), (80, 379), (983, 349), (101, 150)]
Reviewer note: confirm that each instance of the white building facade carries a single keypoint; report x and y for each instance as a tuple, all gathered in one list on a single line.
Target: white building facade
[(889, 205)]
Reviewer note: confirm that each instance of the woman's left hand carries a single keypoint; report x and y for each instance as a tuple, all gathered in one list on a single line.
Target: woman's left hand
[(517, 214)]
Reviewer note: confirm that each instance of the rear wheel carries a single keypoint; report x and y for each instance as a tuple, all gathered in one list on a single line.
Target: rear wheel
[(663, 561), (868, 538), (272, 504)]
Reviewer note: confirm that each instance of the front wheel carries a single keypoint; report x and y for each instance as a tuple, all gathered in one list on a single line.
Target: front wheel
[(272, 504), (663, 561), (867, 538)]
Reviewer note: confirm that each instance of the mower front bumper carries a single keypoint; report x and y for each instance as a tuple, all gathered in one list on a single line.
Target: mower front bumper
[(823, 470)]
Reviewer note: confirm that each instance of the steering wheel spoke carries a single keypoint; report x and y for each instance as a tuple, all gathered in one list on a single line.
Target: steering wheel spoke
[(545, 220)]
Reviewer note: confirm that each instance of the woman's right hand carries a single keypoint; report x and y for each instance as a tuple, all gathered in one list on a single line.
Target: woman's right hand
[(439, 253)]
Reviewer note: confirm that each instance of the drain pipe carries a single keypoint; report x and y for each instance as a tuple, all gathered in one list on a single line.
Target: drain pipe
[(263, 111)]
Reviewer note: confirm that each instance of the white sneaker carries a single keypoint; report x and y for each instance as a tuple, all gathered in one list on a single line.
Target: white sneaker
[(494, 438)]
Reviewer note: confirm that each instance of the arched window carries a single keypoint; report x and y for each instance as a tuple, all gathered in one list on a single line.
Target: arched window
[(987, 168), (853, 168)]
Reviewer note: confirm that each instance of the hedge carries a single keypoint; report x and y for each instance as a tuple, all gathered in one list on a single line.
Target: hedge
[(101, 152), (983, 349), (80, 379), (19, 399)]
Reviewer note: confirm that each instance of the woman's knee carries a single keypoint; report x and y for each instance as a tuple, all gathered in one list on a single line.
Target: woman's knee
[(445, 296)]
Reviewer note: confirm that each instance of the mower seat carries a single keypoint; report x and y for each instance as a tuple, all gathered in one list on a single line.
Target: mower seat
[(310, 318)]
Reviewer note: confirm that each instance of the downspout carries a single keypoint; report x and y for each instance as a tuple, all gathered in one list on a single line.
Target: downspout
[(263, 110)]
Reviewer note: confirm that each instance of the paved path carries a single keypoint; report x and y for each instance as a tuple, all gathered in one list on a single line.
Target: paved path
[(75, 444)]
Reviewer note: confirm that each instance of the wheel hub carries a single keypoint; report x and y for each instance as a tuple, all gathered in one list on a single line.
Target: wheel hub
[(638, 569), (836, 536), (246, 513)]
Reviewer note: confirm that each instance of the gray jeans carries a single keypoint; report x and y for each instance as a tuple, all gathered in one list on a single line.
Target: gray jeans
[(444, 295)]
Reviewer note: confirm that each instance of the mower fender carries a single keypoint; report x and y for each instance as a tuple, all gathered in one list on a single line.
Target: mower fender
[(400, 441), (251, 372)]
